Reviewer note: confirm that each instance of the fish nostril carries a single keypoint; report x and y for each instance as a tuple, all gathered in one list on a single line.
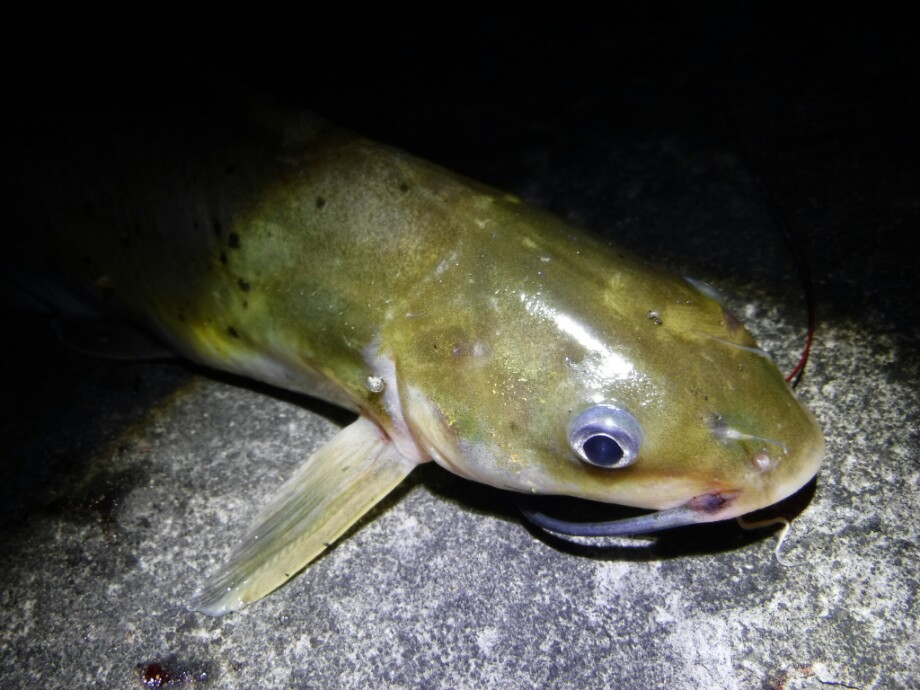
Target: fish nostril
[(762, 462)]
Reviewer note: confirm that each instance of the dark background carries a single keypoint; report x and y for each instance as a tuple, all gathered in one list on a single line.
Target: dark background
[(698, 134), (817, 102)]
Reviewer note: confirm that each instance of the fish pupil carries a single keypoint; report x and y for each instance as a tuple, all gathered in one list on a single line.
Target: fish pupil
[(602, 450)]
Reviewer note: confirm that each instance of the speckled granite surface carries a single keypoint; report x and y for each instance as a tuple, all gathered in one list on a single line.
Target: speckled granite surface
[(123, 484)]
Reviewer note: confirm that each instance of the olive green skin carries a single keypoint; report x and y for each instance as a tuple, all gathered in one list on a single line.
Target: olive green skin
[(307, 257)]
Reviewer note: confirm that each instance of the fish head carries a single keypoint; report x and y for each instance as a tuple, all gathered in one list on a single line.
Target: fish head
[(580, 371)]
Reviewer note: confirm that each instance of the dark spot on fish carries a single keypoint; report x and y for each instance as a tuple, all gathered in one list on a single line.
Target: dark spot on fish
[(233, 241), (180, 316), (223, 258), (575, 355), (245, 304), (695, 392), (403, 187), (717, 423), (244, 286), (233, 332), (320, 202), (216, 227)]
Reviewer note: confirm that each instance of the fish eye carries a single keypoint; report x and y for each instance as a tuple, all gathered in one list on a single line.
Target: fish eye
[(605, 436)]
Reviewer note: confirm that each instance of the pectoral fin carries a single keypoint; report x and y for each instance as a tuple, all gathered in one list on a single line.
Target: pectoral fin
[(328, 494)]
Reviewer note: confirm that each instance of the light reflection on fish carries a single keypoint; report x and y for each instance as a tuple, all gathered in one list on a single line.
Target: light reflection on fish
[(463, 325)]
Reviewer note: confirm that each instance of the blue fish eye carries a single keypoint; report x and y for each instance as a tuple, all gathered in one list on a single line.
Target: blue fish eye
[(606, 436)]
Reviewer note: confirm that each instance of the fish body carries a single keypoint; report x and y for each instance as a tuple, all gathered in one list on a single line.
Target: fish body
[(462, 324)]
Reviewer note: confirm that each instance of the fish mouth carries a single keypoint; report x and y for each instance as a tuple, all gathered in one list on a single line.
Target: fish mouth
[(703, 508)]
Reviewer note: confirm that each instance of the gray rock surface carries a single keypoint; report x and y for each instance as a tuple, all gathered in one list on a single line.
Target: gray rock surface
[(124, 484)]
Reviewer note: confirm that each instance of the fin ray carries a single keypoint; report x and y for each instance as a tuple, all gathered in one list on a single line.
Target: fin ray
[(334, 487)]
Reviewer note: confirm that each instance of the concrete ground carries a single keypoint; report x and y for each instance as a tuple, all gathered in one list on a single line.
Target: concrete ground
[(124, 484)]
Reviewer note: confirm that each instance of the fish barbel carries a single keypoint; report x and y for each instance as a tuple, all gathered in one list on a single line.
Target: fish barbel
[(463, 325)]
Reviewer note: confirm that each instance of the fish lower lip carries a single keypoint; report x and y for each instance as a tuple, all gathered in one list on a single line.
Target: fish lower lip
[(691, 513)]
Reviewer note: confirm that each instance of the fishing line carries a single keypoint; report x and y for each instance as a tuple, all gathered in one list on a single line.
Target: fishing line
[(795, 249)]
